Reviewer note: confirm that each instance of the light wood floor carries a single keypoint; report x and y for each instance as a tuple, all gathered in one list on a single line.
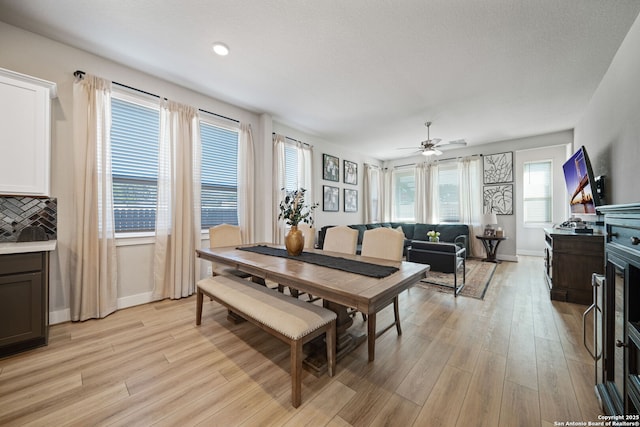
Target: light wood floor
[(513, 359)]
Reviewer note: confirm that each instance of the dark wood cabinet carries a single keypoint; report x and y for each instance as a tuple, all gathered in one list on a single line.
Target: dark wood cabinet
[(23, 301), (618, 381), (570, 259)]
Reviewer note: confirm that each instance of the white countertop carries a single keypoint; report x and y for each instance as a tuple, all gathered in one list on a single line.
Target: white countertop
[(22, 247)]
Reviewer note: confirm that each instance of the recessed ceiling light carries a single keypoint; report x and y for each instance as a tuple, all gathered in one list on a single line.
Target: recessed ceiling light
[(220, 49)]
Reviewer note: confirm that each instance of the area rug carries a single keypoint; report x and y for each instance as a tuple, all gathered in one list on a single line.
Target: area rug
[(479, 276)]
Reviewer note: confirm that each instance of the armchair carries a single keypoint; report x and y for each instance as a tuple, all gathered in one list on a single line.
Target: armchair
[(442, 257)]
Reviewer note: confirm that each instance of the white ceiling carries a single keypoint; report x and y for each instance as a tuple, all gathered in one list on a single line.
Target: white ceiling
[(364, 73)]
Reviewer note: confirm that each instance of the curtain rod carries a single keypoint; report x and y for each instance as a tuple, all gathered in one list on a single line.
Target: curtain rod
[(80, 74), (441, 160), (294, 140)]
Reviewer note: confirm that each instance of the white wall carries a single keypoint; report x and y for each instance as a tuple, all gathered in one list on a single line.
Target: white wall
[(530, 239), (610, 126)]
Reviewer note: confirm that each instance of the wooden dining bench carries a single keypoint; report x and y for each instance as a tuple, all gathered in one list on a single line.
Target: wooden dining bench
[(291, 320)]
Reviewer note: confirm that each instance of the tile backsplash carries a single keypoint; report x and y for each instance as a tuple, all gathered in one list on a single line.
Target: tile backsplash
[(19, 212)]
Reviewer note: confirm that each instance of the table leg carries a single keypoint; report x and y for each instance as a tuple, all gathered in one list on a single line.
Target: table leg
[(345, 341), (491, 247), (371, 336)]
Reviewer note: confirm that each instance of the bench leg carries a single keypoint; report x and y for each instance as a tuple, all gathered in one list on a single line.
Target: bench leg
[(296, 373), (199, 307), (330, 338)]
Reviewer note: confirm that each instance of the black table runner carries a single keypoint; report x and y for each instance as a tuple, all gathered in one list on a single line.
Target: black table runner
[(349, 265)]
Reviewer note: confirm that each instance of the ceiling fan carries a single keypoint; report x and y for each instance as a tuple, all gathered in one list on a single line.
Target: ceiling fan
[(429, 147)]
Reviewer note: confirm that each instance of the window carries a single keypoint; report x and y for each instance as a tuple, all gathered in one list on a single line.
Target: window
[(404, 186), (374, 189), (537, 192), (290, 167), (219, 194), (448, 193), (134, 161)]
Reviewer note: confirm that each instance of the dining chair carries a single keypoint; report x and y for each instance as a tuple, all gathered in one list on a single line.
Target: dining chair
[(388, 244), (225, 235), (341, 239), (309, 233)]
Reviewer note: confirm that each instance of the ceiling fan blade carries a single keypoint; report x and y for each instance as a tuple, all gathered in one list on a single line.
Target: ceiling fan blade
[(461, 142), (437, 152)]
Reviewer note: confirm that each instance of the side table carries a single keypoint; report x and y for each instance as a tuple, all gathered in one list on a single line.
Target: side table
[(490, 244)]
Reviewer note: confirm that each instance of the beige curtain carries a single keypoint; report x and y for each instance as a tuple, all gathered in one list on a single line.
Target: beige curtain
[(305, 170), (372, 197), (387, 194), (178, 210), (422, 192), (93, 269), (278, 186), (470, 188), (304, 178), (246, 167)]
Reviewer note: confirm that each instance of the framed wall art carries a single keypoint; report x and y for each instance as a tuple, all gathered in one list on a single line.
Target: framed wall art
[(330, 168), (498, 168), (330, 198), (350, 172), (350, 200), (498, 199)]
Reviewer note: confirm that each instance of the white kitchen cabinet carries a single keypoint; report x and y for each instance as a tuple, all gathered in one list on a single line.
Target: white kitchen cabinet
[(25, 134)]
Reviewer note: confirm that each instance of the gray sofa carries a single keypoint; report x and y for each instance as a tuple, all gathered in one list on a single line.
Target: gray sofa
[(452, 233)]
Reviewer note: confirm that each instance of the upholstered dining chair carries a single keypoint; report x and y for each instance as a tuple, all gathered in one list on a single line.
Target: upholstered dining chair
[(225, 235), (341, 239), (309, 233), (385, 243)]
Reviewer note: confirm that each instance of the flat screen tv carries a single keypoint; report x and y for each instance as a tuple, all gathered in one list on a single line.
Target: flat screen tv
[(578, 176)]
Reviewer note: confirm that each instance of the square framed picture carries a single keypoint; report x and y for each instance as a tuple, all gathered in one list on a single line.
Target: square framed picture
[(350, 173), (330, 198), (498, 199), (498, 168), (330, 168), (350, 200)]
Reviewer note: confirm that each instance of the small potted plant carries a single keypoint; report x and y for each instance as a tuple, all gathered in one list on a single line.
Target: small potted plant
[(434, 236), (294, 210)]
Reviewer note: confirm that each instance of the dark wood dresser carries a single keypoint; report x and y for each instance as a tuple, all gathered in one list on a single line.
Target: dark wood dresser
[(570, 259), (618, 379)]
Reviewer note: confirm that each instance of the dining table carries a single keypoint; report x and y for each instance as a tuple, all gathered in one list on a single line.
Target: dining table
[(373, 287)]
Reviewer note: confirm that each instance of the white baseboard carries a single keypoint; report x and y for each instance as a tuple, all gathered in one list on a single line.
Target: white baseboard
[(531, 253), (133, 300), (59, 316), (64, 315)]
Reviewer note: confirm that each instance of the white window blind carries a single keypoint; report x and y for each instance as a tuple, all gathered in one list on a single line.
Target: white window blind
[(537, 192), (448, 193), (134, 158), (291, 167), (219, 173), (404, 195)]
